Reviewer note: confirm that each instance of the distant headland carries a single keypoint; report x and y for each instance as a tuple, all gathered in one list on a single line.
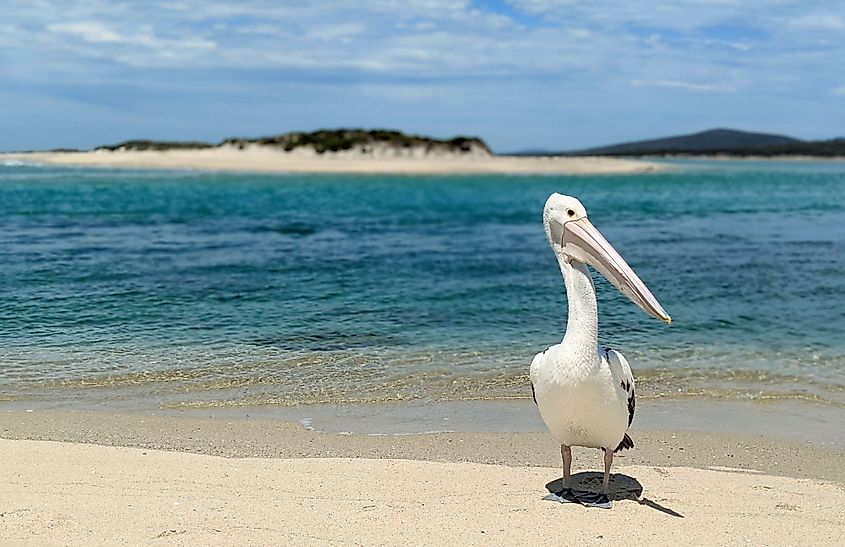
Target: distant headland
[(721, 142)]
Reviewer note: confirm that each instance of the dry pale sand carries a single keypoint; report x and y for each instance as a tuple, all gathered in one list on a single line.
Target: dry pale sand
[(266, 159), (310, 488), (61, 493)]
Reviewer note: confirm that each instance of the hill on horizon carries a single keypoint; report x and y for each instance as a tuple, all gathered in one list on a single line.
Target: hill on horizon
[(710, 141)]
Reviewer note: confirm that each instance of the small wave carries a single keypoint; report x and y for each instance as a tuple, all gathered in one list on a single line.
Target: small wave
[(19, 163), (349, 377), (290, 229), (356, 399)]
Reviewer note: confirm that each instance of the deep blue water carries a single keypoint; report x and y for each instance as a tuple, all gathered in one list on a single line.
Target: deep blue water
[(200, 288)]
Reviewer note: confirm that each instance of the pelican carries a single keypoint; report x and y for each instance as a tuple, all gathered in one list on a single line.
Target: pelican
[(584, 392)]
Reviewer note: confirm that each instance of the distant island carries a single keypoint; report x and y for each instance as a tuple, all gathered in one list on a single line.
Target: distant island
[(720, 142), (326, 141), (329, 151)]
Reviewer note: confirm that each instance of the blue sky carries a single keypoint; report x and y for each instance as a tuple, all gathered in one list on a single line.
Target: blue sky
[(522, 74)]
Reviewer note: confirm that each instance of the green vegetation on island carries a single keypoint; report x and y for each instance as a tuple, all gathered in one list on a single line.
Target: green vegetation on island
[(141, 144), (322, 141), (337, 140)]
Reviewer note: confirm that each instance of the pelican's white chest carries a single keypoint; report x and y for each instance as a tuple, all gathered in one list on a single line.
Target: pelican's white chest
[(578, 398)]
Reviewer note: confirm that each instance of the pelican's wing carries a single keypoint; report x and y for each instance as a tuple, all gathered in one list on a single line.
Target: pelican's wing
[(536, 362), (621, 371)]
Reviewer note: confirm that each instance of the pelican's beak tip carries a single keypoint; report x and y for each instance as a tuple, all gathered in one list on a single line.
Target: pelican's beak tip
[(668, 320)]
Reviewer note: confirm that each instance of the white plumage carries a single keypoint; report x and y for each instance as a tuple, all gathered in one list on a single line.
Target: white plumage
[(588, 406)]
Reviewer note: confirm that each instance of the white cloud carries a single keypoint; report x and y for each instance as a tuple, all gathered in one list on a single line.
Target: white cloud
[(839, 91), (88, 31), (94, 32), (691, 86), (417, 38), (819, 21)]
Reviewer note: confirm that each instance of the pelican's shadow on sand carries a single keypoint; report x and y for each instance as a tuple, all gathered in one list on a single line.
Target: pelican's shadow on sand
[(622, 487)]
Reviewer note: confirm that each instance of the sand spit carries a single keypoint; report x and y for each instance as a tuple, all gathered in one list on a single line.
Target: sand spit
[(274, 160)]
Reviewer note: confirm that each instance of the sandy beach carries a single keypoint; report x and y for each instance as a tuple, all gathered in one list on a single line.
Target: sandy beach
[(272, 160), (97, 478)]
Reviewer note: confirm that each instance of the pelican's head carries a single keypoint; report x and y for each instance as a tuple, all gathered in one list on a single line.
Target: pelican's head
[(573, 237)]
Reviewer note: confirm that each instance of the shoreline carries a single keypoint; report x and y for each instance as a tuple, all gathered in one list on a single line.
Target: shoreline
[(665, 436), (793, 420), (727, 157), (268, 160)]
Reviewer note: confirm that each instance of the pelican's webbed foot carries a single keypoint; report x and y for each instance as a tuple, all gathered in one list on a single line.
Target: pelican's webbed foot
[(582, 497), (564, 496)]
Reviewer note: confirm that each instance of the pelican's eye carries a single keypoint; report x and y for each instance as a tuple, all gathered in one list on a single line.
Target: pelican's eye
[(570, 212)]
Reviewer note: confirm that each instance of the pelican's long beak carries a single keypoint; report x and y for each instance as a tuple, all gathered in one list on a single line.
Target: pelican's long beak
[(583, 242)]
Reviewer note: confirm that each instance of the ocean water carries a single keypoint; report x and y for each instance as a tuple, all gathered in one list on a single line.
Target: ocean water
[(188, 289)]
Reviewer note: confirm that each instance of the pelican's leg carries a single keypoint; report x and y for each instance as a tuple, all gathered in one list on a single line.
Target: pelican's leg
[(566, 454), (608, 461)]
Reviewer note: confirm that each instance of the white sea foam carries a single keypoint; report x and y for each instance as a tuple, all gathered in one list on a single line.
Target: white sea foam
[(19, 163)]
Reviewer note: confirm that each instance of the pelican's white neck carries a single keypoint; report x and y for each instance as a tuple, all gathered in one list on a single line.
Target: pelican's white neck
[(582, 324)]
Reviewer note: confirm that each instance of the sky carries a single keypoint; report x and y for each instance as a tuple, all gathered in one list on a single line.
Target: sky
[(521, 74)]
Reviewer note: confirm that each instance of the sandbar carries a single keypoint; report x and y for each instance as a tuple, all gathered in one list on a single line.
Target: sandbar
[(266, 159)]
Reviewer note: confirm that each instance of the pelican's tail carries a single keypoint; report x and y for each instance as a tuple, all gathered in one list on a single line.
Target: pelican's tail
[(625, 444)]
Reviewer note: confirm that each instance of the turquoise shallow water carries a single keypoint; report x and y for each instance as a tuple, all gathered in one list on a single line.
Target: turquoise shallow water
[(203, 289)]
